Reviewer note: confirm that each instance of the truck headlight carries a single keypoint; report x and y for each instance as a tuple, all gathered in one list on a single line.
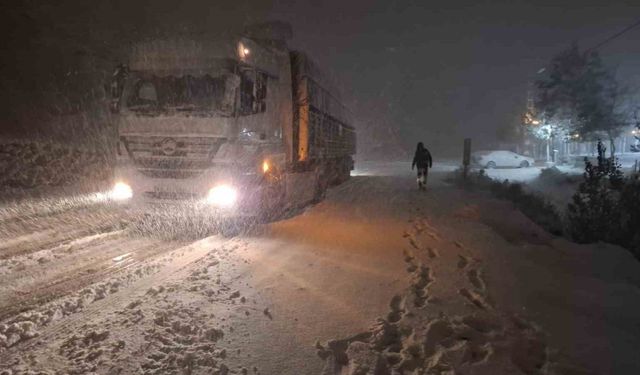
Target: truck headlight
[(121, 191), (222, 196)]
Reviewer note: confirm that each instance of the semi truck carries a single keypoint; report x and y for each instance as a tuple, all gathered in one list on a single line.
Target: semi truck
[(238, 124)]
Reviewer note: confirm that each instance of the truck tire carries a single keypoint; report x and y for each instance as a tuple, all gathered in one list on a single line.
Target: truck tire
[(323, 180), (342, 171), (346, 171)]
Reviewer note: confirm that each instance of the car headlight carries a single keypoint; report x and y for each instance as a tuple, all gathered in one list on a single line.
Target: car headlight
[(222, 196), (121, 191)]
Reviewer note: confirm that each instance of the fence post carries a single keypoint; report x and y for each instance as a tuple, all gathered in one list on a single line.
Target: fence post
[(466, 157)]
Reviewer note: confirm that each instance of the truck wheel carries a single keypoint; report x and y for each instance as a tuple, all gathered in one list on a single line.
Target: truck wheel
[(343, 172), (344, 176), (322, 183), (347, 172)]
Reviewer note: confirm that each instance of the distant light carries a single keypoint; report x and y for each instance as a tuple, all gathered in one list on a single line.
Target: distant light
[(265, 166), (535, 122), (121, 191), (222, 196), (243, 51)]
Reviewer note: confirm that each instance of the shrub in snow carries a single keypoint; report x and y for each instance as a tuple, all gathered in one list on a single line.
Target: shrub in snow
[(630, 216), (29, 164), (594, 213), (606, 206)]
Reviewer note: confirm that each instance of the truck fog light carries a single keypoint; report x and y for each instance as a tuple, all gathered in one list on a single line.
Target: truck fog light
[(222, 196), (121, 191)]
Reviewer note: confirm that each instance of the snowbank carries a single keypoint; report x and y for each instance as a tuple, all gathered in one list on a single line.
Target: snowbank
[(31, 164)]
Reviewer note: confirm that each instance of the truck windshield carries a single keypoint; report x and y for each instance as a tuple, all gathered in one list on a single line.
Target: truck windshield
[(203, 95)]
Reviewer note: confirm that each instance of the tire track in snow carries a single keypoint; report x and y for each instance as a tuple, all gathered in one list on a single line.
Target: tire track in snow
[(41, 233), (43, 208), (167, 269), (71, 280)]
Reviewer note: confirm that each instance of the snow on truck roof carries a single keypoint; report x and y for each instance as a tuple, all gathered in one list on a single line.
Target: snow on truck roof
[(175, 56), (181, 56)]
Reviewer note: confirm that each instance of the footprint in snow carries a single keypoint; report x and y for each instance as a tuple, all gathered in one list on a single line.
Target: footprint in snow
[(397, 309), (422, 279), (414, 243), (408, 257), (475, 278), (432, 252), (463, 261), (475, 298), (433, 235), (411, 268)]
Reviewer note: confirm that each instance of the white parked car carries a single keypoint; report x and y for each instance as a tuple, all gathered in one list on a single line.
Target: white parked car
[(494, 159)]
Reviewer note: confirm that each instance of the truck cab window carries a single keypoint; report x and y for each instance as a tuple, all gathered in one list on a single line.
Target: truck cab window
[(144, 95), (201, 95), (253, 92), (147, 92)]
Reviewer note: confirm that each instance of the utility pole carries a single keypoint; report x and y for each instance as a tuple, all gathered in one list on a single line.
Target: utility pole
[(466, 157)]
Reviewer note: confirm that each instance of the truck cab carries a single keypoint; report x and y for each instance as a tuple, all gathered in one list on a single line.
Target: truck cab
[(228, 123)]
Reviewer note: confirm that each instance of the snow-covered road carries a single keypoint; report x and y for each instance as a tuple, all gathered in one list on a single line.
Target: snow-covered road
[(378, 278)]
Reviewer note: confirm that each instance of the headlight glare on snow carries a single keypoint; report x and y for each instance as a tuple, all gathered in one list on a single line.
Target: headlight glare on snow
[(121, 191), (222, 196)]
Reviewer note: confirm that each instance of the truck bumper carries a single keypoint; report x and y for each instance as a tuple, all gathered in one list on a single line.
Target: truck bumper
[(190, 195)]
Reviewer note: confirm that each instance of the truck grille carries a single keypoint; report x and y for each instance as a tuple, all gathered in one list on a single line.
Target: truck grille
[(171, 157), (166, 195)]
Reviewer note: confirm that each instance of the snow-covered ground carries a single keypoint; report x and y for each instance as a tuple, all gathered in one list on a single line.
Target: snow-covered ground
[(526, 175), (379, 278)]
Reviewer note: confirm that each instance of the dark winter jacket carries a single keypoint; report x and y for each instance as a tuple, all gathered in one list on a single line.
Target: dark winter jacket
[(422, 158)]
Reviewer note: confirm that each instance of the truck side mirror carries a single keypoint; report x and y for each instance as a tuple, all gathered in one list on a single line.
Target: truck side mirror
[(231, 84), (116, 87)]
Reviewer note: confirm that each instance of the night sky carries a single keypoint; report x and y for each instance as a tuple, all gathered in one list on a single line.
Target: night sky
[(434, 71), (448, 69)]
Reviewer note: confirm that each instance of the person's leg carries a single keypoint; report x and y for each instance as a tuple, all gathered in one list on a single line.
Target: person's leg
[(421, 178)]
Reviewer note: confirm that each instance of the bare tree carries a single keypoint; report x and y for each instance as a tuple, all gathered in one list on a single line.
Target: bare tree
[(579, 95)]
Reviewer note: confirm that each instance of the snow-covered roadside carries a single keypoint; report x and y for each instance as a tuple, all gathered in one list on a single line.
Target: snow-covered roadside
[(557, 187), (491, 293)]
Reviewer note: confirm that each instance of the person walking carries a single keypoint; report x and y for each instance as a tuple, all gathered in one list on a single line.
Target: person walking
[(422, 159)]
